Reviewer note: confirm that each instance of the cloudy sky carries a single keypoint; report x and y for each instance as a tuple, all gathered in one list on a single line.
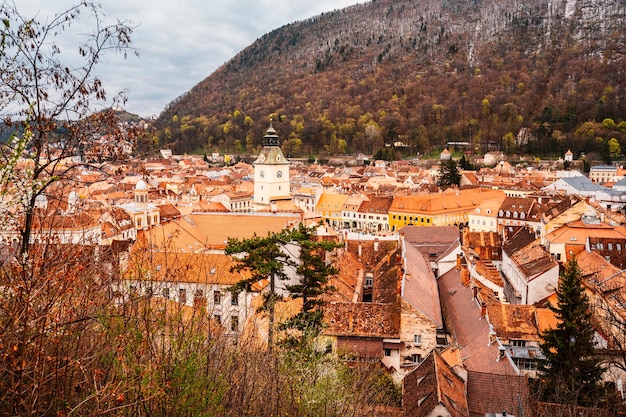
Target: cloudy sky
[(181, 42)]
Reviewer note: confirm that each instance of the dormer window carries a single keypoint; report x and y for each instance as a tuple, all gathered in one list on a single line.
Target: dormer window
[(522, 215), (500, 213)]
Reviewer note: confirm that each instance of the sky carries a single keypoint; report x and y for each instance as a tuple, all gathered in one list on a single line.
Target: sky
[(179, 42)]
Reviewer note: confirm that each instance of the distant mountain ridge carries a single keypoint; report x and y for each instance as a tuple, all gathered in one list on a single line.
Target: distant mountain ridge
[(421, 73)]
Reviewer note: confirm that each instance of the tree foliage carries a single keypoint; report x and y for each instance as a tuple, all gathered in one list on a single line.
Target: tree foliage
[(270, 258), (413, 82), (448, 173), (571, 372)]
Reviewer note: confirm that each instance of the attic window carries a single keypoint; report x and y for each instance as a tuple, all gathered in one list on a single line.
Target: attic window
[(421, 400), (213, 270), (573, 238), (488, 211)]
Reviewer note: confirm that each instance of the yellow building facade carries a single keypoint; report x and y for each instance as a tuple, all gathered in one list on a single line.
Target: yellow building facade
[(448, 208)]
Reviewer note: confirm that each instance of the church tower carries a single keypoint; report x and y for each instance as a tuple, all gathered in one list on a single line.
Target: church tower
[(271, 171)]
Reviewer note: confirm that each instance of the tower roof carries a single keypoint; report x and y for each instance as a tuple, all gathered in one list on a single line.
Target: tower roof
[(271, 138), (141, 186), (271, 154)]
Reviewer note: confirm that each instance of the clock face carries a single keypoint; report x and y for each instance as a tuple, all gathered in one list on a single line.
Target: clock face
[(262, 174), (279, 174)]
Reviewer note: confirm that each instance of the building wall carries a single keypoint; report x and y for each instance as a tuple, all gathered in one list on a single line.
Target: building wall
[(412, 323), (478, 223), (188, 293)]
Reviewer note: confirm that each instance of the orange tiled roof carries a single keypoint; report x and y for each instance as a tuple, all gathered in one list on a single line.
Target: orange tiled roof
[(441, 203), (198, 232), (362, 319), (182, 267)]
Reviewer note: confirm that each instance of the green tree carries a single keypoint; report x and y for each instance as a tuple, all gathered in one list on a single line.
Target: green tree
[(508, 142), (570, 373), (448, 173), (465, 163), (264, 259), (271, 257), (313, 274), (614, 148)]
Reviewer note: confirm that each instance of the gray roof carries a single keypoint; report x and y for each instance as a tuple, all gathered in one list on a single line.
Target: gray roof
[(583, 184)]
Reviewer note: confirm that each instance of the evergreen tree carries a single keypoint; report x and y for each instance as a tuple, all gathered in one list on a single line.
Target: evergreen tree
[(465, 164), (264, 259), (449, 173), (570, 373), (313, 272), (271, 257)]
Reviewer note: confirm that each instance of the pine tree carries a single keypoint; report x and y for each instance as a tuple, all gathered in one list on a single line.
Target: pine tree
[(449, 173), (571, 372), (264, 259), (313, 272)]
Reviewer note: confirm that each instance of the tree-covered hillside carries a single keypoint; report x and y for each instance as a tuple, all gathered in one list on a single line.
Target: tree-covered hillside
[(421, 73)]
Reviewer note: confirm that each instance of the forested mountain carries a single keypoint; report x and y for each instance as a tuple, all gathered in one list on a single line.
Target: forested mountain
[(419, 72)]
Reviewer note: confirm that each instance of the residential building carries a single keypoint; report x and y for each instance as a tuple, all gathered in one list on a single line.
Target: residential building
[(330, 208), (516, 211), (449, 208), (234, 202), (433, 389), (574, 237), (485, 217), (440, 246), (603, 173), (377, 213), (350, 211), (199, 280), (306, 198), (530, 273)]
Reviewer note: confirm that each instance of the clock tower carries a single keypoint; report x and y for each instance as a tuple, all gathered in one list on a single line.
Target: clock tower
[(271, 171)]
